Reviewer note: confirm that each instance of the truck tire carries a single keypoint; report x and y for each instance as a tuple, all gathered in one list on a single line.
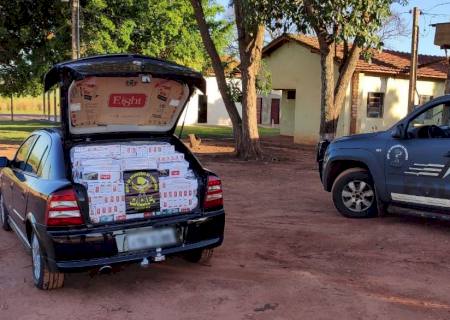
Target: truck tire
[(199, 256), (4, 215), (354, 194), (43, 278)]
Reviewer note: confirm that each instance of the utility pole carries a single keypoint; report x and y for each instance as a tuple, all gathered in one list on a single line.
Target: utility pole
[(75, 10), (413, 66)]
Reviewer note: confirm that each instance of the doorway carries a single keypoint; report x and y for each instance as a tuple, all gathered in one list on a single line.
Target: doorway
[(202, 109), (275, 111)]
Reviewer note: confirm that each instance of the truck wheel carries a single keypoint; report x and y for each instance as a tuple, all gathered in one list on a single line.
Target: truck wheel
[(4, 215), (199, 256), (43, 278), (354, 194)]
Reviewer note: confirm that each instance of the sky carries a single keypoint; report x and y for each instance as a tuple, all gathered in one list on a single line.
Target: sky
[(433, 11)]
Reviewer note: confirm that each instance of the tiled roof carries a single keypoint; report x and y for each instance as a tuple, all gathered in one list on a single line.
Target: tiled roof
[(388, 62)]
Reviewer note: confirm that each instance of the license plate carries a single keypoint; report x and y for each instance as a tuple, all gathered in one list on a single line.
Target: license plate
[(154, 238)]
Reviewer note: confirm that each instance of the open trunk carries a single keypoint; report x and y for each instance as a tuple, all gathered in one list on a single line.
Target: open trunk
[(118, 115)]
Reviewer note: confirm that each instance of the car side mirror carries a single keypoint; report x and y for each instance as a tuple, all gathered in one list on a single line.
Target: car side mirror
[(397, 132), (4, 162)]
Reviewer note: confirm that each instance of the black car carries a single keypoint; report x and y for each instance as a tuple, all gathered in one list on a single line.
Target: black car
[(406, 168), (107, 100)]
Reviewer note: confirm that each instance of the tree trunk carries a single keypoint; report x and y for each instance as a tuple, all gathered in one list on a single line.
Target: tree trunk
[(348, 67), (12, 108), (327, 91), (219, 72), (250, 41)]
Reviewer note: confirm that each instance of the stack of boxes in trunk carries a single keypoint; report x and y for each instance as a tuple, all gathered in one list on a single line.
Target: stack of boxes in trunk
[(131, 180)]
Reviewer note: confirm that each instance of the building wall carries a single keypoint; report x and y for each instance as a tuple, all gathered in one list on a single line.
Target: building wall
[(395, 100), (294, 66), (216, 112), (287, 115)]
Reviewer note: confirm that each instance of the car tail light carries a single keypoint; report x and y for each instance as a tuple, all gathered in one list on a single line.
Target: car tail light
[(62, 209), (214, 194)]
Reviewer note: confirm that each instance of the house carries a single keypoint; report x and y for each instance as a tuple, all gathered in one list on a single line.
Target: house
[(376, 98), (210, 108)]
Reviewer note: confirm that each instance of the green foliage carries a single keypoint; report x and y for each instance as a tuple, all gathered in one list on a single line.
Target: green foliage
[(165, 29), (34, 35), (356, 21), (28, 45)]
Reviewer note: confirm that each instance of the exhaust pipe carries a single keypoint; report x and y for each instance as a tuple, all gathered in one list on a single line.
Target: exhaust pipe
[(105, 270)]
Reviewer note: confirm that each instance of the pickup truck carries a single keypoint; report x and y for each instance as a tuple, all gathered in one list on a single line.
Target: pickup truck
[(406, 167)]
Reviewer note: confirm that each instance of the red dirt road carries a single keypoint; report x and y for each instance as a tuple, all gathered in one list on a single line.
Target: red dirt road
[(287, 255)]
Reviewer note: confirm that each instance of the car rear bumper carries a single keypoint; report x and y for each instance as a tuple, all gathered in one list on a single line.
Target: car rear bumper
[(78, 250)]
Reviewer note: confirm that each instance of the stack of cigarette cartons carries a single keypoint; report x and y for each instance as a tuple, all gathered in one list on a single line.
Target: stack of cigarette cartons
[(161, 175)]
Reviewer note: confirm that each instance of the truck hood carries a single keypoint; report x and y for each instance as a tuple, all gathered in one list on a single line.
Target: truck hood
[(122, 94), (356, 141)]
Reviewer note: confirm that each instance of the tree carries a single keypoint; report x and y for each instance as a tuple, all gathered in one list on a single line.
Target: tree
[(250, 17), (165, 29), (28, 46), (354, 24)]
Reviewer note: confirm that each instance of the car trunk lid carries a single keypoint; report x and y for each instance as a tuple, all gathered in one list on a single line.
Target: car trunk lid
[(117, 95)]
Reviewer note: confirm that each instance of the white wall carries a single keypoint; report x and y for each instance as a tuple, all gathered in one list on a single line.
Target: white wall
[(216, 112), (395, 99)]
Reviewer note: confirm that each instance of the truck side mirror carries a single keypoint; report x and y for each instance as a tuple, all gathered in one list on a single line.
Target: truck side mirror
[(397, 132)]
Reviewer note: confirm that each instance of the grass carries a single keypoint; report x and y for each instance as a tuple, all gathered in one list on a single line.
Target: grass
[(26, 105), (17, 131), (209, 131)]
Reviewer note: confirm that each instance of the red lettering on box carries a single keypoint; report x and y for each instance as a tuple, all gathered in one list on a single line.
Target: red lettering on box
[(127, 100)]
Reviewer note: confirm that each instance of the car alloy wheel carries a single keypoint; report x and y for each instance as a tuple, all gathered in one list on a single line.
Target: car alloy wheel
[(358, 196), (36, 254), (2, 210)]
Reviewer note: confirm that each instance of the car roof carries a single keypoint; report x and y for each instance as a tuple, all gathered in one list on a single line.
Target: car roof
[(122, 65)]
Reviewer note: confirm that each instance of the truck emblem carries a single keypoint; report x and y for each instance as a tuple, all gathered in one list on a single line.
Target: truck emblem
[(397, 155)]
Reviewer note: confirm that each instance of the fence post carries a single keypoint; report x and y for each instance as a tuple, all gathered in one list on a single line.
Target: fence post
[(49, 105), (54, 103), (12, 108), (43, 104)]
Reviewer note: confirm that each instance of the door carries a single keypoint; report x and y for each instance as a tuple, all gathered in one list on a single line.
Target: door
[(275, 111), (202, 108), (259, 110), (418, 168), (16, 179), (30, 175)]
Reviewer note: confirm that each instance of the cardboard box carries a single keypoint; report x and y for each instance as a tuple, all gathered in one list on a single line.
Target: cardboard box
[(173, 169), (105, 188), (172, 157), (131, 164)]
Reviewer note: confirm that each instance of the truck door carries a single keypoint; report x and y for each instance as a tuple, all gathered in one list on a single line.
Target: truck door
[(418, 168)]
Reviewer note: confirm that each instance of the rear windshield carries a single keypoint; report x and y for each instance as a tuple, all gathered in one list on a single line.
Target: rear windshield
[(125, 104)]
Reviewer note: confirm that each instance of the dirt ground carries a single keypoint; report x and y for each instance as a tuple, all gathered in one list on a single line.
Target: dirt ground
[(287, 255)]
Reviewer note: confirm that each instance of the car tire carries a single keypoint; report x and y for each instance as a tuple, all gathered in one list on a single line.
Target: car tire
[(199, 256), (4, 215), (354, 194), (43, 278)]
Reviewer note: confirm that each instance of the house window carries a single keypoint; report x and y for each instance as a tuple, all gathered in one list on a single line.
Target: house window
[(291, 94), (375, 104)]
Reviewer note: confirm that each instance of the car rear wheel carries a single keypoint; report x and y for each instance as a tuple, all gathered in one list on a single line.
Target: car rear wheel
[(199, 256), (4, 215), (354, 194), (43, 278)]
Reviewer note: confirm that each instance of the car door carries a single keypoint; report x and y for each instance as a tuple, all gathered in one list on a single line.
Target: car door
[(30, 176), (14, 178), (417, 167)]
